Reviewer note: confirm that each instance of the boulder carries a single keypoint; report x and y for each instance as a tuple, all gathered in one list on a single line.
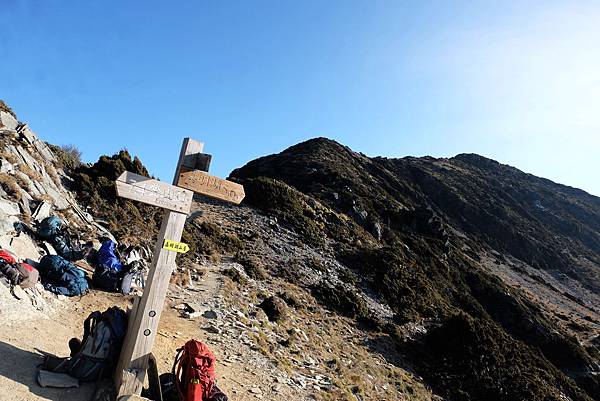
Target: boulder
[(42, 149), (9, 208), (42, 211), (58, 199), (6, 167), (21, 245), (8, 121)]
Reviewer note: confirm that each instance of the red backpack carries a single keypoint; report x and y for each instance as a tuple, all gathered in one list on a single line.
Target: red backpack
[(194, 371), (7, 256)]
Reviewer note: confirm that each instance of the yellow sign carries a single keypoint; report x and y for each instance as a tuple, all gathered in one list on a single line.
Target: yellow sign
[(179, 247)]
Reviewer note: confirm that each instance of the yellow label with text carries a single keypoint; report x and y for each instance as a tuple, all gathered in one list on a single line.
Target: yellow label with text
[(179, 247)]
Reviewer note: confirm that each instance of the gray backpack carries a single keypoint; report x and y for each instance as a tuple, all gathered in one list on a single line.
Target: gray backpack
[(98, 351)]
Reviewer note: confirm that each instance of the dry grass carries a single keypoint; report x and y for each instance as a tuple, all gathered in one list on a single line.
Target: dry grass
[(9, 157), (10, 186), (22, 182), (51, 170), (334, 343), (6, 108), (31, 173), (43, 198)]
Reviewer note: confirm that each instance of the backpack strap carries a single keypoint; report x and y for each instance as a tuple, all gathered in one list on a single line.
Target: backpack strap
[(89, 324), (177, 367)]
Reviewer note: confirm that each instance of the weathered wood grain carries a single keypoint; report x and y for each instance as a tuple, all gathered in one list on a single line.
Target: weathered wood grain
[(147, 190), (142, 330), (214, 187)]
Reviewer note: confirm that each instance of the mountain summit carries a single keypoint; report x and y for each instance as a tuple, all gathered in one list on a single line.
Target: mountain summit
[(501, 268)]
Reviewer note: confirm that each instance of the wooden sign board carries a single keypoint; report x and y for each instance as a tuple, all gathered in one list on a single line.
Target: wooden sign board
[(147, 190), (214, 187)]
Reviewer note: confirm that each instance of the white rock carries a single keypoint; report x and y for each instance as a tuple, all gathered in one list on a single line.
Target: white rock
[(49, 248), (42, 211), (8, 207), (19, 293), (8, 121), (59, 200), (22, 246), (7, 223), (6, 167)]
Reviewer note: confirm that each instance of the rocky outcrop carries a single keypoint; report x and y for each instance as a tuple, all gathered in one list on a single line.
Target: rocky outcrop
[(33, 185)]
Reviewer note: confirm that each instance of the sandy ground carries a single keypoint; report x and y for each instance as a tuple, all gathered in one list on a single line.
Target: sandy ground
[(22, 344)]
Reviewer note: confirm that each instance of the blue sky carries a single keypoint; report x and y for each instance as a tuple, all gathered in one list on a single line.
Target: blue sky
[(516, 82)]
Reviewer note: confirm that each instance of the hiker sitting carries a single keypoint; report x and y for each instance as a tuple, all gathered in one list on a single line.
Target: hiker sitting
[(110, 274)]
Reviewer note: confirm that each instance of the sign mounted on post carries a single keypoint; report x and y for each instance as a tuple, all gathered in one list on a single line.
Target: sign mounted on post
[(147, 190), (175, 246), (145, 315), (209, 185)]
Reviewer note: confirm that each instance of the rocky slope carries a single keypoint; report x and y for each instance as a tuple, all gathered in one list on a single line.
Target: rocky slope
[(340, 277), (500, 268)]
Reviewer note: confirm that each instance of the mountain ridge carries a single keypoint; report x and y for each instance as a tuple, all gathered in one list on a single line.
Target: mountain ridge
[(459, 212), (451, 278)]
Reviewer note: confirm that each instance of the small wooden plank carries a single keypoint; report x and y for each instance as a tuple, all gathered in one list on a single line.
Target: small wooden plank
[(187, 156), (198, 161), (211, 186), (147, 317), (153, 192)]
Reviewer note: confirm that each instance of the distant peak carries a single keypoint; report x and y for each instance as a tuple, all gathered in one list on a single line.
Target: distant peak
[(477, 160), (314, 144)]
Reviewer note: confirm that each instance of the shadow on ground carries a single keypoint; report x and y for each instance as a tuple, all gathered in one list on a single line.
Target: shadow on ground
[(18, 373)]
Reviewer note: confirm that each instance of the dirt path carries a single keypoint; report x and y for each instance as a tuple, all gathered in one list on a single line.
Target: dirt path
[(22, 343), (242, 373)]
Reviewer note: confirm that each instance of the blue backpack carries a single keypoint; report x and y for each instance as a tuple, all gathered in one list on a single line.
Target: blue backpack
[(62, 277), (107, 258), (52, 230), (50, 227)]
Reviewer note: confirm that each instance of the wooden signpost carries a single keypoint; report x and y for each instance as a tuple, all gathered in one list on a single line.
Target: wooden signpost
[(214, 187), (145, 314), (153, 192)]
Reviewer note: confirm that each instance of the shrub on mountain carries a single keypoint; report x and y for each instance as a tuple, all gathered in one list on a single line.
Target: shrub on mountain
[(4, 107), (95, 186), (340, 299), (69, 156), (275, 308)]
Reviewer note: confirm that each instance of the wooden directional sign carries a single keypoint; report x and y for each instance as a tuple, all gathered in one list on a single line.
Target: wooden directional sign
[(146, 190), (145, 315), (214, 187)]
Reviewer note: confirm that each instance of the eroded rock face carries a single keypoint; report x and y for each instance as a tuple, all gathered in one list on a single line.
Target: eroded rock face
[(31, 188)]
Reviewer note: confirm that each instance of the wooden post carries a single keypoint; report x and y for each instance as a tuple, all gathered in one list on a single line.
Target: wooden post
[(137, 346)]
